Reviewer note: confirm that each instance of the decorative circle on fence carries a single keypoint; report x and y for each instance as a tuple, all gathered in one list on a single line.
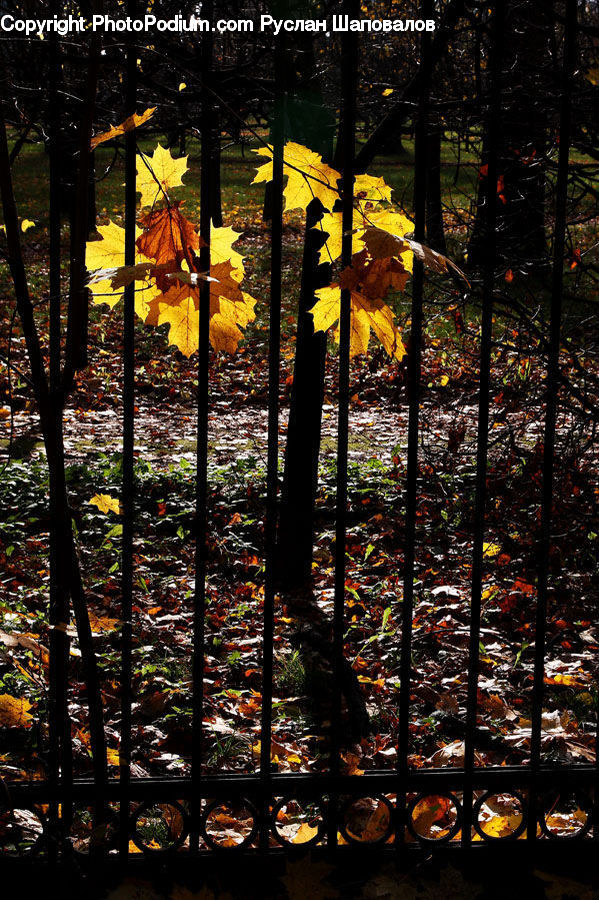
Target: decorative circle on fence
[(159, 827), (229, 824), (434, 818), (297, 823), (500, 816), (565, 815), (22, 831), (85, 834), (367, 820)]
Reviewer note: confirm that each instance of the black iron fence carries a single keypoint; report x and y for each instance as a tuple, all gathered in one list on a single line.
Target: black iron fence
[(192, 815)]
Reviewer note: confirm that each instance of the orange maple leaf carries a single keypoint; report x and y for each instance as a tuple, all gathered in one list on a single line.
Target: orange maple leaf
[(168, 237)]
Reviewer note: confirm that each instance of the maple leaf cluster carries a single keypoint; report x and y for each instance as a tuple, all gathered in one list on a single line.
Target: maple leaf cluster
[(166, 269), (371, 275)]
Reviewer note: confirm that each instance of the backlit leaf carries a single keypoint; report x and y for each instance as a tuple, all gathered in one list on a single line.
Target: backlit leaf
[(381, 242), (366, 314), (168, 236), (491, 549), (307, 176), (105, 503), (387, 223), (369, 187), (104, 257), (221, 249), (158, 174), (131, 122), (230, 310)]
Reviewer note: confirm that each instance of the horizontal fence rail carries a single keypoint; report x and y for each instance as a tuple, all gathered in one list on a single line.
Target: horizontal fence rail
[(160, 820)]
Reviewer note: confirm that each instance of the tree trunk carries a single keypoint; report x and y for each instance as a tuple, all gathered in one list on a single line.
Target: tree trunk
[(310, 123), (300, 480), (50, 409), (70, 583), (521, 239), (216, 193), (435, 234), (92, 210), (403, 108)]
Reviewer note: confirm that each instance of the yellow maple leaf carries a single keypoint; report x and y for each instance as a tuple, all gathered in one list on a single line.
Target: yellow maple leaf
[(571, 680), (26, 224), (158, 174), (106, 503), (366, 314), (364, 218), (221, 249), (304, 833), (307, 176), (226, 320), (502, 826), (183, 318), (98, 624), (113, 757), (104, 257), (395, 223), (14, 712), (369, 187), (331, 225), (491, 549), (230, 310), (129, 124)]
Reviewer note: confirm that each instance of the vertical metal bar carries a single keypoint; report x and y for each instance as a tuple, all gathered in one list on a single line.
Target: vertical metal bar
[(494, 136), (128, 488), (61, 762), (274, 346), (414, 375), (553, 380), (202, 437), (349, 68)]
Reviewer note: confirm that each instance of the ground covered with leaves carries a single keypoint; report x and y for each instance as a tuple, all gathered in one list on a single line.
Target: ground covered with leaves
[(164, 526)]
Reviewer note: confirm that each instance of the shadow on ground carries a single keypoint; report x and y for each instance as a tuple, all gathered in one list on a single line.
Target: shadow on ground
[(309, 879)]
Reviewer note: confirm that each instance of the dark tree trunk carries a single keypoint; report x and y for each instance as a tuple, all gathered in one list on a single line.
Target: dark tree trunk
[(92, 211), (435, 234), (50, 409), (403, 108), (296, 524), (393, 145), (216, 204), (267, 207), (310, 123), (521, 184)]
